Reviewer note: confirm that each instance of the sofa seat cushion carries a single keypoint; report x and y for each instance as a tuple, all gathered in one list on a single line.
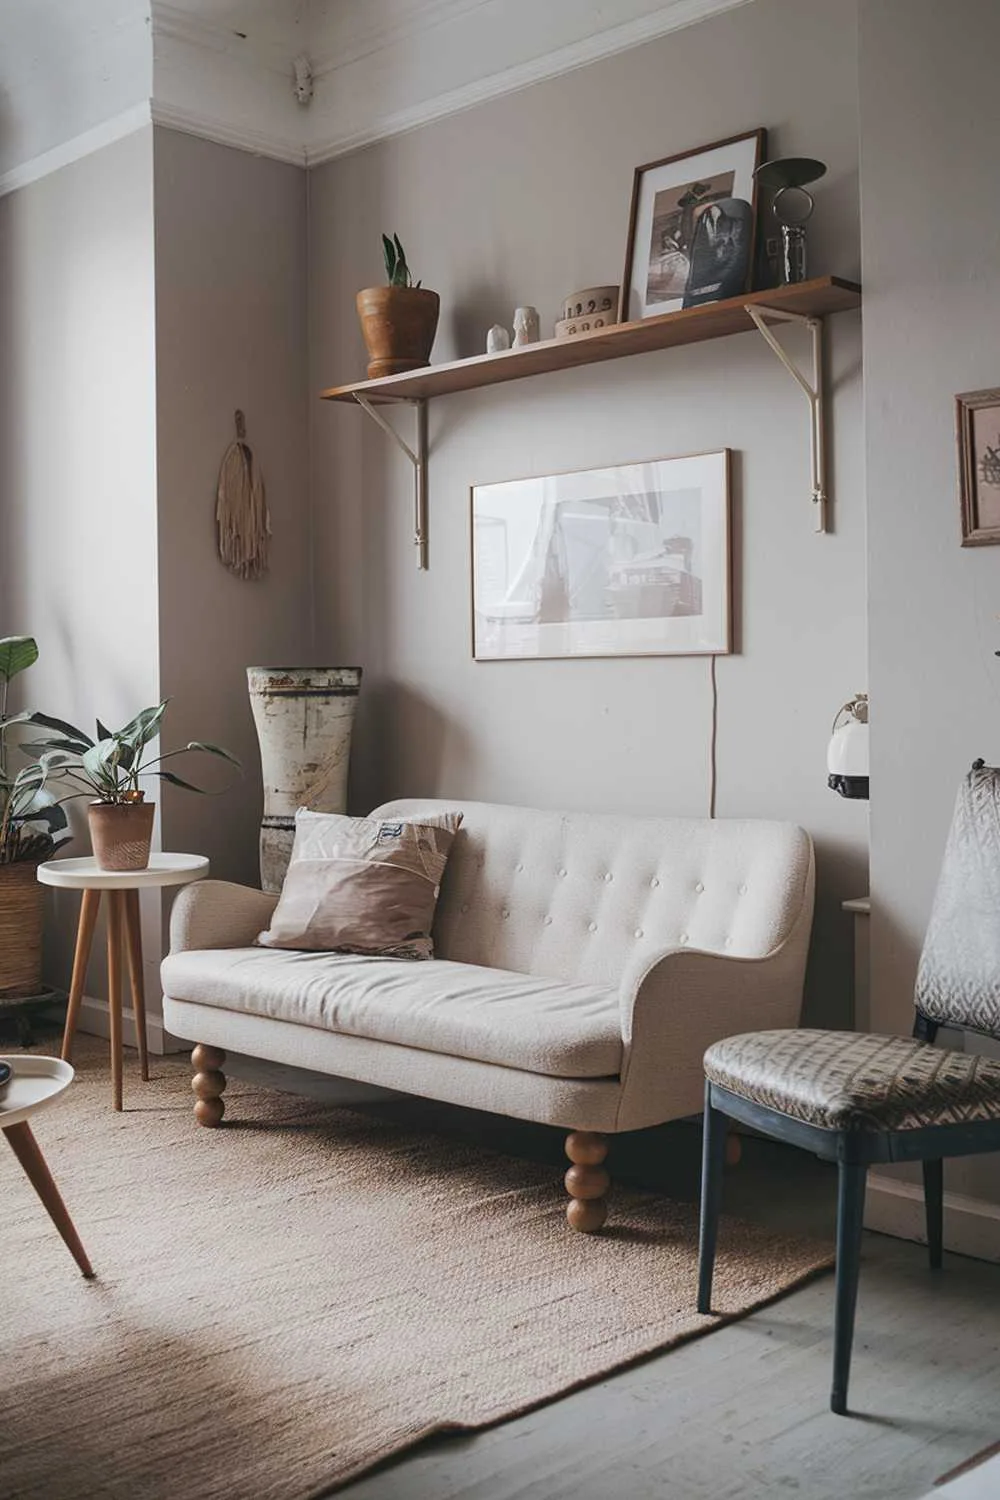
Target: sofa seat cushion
[(490, 1015)]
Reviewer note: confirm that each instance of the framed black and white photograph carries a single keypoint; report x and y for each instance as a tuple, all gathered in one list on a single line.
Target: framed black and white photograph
[(692, 228), (626, 561)]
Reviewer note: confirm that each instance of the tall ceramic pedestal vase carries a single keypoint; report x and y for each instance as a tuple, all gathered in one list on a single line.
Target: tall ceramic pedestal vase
[(304, 717)]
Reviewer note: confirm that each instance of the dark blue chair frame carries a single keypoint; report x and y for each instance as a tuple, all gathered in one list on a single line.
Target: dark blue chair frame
[(854, 1151)]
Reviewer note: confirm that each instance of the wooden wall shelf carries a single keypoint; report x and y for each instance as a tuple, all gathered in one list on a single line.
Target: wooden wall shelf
[(808, 304), (716, 320)]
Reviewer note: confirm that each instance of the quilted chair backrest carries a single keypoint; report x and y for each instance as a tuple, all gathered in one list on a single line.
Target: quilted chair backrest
[(958, 982), (579, 896)]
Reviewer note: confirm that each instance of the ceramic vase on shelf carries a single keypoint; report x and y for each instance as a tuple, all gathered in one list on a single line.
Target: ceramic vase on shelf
[(303, 717)]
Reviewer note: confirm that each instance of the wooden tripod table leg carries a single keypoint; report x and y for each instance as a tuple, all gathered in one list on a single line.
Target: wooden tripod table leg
[(84, 938), (28, 1153), (133, 944), (116, 903)]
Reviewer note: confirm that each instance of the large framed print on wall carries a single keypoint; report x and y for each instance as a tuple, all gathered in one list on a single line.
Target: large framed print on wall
[(632, 560), (692, 228)]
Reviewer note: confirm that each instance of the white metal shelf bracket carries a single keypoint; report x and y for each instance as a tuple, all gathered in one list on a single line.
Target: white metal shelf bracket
[(417, 457), (814, 391)]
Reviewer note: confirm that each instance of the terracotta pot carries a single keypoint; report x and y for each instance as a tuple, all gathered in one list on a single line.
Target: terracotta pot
[(20, 929), (399, 324), (121, 833)]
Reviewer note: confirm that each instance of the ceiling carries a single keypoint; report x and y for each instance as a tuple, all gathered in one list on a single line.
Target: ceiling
[(75, 74)]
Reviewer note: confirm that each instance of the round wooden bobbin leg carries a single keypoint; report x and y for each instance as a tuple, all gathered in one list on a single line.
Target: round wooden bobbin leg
[(208, 1084), (587, 1181)]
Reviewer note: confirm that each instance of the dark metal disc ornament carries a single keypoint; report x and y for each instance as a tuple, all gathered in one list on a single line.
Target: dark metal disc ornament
[(792, 206)]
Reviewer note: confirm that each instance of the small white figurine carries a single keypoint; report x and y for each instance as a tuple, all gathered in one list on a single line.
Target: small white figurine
[(527, 328), (497, 339)]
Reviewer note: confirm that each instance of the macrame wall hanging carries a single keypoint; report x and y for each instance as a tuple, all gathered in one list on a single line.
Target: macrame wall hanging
[(241, 509)]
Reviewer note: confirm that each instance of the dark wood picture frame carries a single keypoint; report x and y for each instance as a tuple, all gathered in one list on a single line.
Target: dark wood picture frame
[(760, 137), (974, 532)]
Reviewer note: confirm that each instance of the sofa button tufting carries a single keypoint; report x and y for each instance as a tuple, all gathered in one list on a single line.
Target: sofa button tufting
[(591, 926), (609, 876), (505, 914), (562, 874), (518, 869), (654, 882), (547, 921), (743, 890), (638, 932), (683, 938), (699, 887)]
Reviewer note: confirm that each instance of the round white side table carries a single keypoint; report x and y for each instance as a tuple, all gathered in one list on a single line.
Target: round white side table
[(121, 887), (34, 1083)]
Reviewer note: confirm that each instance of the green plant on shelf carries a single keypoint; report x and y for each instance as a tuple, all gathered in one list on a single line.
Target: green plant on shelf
[(397, 272)]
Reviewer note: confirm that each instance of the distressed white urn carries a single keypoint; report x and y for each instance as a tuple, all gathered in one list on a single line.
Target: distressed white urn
[(304, 717)]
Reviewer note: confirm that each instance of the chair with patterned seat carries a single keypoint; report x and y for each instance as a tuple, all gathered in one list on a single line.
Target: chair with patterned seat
[(861, 1099)]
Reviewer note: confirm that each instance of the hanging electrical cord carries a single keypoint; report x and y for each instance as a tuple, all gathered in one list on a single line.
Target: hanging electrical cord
[(713, 743)]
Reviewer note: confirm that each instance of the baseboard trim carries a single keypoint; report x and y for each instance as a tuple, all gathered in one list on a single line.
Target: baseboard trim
[(95, 1021), (971, 1225)]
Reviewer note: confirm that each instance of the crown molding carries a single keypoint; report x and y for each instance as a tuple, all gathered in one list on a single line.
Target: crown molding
[(257, 142), (673, 16), (79, 146), (424, 15)]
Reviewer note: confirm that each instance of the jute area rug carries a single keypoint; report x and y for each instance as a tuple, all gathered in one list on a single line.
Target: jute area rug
[(285, 1302)]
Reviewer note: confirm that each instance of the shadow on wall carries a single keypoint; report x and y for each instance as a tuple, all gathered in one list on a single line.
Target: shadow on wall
[(397, 726)]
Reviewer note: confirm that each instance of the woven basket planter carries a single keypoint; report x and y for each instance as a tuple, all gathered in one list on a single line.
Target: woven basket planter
[(21, 918)]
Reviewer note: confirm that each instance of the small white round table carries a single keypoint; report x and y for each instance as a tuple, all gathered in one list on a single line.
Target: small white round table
[(34, 1083), (121, 887)]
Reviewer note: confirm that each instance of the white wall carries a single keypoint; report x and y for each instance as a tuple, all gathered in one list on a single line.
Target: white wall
[(78, 558), (522, 200), (930, 121)]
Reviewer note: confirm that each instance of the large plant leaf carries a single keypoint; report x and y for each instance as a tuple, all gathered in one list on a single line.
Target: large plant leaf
[(175, 780), (144, 727), (210, 749), (69, 731), (17, 653)]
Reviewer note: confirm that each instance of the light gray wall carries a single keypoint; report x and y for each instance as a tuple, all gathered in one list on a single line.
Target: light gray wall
[(230, 332), (523, 200), (930, 121), (78, 556)]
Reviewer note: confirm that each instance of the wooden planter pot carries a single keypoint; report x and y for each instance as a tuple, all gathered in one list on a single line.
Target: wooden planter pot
[(398, 324), (21, 915), (121, 833)]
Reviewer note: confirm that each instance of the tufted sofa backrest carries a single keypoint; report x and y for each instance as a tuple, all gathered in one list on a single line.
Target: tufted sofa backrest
[(579, 896)]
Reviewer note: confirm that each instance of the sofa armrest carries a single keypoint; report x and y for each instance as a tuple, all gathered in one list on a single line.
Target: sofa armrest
[(678, 1002), (218, 914)]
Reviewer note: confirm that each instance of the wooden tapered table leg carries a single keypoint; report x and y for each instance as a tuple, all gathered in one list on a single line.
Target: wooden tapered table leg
[(84, 938), (116, 904), (28, 1153), (133, 945)]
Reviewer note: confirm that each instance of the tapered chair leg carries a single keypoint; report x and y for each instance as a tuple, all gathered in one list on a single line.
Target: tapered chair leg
[(850, 1220), (934, 1210), (712, 1163), (84, 938), (133, 945)]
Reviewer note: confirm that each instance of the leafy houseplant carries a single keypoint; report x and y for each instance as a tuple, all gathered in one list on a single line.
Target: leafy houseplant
[(32, 825), (398, 320), (109, 769)]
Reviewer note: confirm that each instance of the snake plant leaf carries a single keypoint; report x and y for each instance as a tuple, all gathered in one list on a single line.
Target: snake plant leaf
[(389, 256), (17, 653)]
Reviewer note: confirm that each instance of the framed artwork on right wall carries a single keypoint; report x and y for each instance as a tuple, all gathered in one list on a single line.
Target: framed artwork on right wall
[(977, 415)]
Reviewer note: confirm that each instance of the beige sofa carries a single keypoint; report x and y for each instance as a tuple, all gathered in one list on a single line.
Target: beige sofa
[(583, 964)]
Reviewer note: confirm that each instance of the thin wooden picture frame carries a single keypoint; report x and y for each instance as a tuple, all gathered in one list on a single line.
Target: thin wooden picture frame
[(978, 468), (506, 630), (626, 311)]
